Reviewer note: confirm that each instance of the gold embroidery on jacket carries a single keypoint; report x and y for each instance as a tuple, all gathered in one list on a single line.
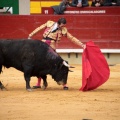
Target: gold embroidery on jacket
[(55, 35)]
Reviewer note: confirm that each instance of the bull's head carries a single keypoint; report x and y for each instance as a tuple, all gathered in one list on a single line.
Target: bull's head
[(61, 73)]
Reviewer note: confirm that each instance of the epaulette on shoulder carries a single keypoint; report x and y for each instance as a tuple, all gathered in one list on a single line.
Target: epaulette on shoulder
[(50, 23), (64, 30)]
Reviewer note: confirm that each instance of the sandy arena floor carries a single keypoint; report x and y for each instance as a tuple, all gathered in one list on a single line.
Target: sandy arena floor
[(54, 103)]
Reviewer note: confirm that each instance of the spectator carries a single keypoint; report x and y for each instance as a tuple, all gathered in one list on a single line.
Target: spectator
[(53, 33), (96, 3), (111, 3), (118, 3), (79, 3), (59, 9)]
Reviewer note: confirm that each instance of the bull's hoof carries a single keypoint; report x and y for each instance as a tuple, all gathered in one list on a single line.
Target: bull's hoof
[(65, 88), (2, 86), (36, 87), (29, 90), (43, 87)]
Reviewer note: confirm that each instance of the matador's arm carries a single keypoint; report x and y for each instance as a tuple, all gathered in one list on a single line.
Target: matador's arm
[(75, 40), (37, 30)]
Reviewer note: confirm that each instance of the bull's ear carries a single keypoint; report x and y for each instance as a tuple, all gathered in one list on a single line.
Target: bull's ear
[(72, 67), (60, 66)]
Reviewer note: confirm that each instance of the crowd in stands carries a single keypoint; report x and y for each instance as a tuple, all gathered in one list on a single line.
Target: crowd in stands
[(59, 9), (98, 3)]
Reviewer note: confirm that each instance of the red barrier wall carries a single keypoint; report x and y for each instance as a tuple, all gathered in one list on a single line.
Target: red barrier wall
[(104, 30)]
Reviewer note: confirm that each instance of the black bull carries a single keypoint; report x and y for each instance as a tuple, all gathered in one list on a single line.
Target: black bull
[(33, 58)]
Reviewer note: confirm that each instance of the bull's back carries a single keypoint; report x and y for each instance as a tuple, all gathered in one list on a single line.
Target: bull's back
[(11, 47), (14, 53)]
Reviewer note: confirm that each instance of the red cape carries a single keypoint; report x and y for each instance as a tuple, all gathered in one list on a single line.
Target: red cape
[(95, 70)]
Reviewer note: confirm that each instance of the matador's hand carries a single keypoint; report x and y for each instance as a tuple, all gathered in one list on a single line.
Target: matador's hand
[(83, 46), (29, 37)]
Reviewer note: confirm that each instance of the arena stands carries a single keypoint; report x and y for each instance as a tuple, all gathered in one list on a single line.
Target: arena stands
[(104, 30), (101, 25)]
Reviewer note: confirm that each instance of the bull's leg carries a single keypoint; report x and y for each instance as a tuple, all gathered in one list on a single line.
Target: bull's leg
[(2, 86), (27, 72), (45, 84), (27, 79), (1, 62), (0, 68)]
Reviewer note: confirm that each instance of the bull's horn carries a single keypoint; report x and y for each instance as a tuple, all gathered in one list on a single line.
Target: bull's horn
[(64, 63), (72, 67), (70, 71), (67, 65)]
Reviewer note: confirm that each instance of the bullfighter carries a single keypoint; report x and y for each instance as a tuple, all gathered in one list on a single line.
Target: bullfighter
[(52, 35)]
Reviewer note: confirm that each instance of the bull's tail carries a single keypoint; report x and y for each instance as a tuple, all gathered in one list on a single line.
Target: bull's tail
[(0, 69)]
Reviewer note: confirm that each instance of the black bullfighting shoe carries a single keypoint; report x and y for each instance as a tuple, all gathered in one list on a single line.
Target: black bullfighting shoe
[(65, 88), (36, 87)]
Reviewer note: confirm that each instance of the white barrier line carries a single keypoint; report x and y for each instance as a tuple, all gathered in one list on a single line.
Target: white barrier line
[(81, 50)]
